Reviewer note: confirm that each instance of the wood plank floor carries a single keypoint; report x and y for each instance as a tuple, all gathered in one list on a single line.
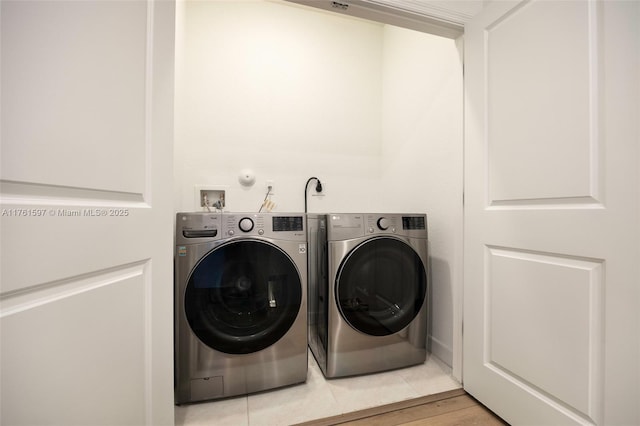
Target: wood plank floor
[(455, 407)]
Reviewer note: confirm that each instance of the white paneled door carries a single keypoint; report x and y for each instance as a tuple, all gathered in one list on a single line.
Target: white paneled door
[(552, 283), (86, 174)]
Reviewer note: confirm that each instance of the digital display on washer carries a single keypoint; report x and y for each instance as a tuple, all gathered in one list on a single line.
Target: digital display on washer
[(413, 222), (287, 223)]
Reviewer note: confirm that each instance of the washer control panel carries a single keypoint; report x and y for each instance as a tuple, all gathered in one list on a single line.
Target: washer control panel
[(289, 225), (246, 224), (198, 227)]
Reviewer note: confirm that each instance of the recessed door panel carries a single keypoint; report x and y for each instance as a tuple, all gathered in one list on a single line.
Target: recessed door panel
[(544, 321), (542, 103), (57, 341), (75, 122)]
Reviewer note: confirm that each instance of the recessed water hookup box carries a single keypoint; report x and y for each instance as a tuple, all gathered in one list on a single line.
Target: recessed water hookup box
[(210, 198)]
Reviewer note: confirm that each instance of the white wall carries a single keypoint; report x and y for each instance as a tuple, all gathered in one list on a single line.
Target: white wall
[(286, 92), (422, 167), (291, 92)]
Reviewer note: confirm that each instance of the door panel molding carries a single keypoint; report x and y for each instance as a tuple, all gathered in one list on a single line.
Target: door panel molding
[(547, 326), (560, 203), (24, 299), (88, 120), (556, 157), (23, 193), (67, 333)]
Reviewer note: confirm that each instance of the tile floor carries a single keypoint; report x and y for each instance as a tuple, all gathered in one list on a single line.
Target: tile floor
[(319, 397)]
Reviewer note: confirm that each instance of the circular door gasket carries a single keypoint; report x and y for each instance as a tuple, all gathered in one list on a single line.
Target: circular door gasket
[(381, 286), (243, 296)]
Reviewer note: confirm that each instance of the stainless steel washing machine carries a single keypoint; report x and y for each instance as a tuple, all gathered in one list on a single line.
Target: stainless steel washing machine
[(240, 303), (367, 291)]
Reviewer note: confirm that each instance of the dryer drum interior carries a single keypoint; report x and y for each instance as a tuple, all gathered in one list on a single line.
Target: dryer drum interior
[(381, 286), (243, 296)]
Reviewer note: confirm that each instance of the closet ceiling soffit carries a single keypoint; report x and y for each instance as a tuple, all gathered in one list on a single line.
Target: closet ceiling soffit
[(439, 17)]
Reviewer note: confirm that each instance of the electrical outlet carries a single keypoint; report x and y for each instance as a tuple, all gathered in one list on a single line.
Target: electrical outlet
[(315, 193)]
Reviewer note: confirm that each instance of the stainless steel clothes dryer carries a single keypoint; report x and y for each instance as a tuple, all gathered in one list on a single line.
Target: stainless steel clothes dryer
[(240, 303), (367, 291)]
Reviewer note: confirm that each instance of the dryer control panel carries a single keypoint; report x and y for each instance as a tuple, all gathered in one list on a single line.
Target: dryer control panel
[(382, 224), (407, 225), (350, 225)]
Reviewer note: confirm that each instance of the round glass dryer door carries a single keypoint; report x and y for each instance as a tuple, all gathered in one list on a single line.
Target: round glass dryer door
[(381, 286), (243, 296)]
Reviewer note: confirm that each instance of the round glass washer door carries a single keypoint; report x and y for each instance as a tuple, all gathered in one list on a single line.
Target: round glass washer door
[(243, 296), (381, 286)]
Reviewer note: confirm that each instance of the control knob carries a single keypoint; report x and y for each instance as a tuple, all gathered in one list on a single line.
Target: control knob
[(383, 223), (246, 224)]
